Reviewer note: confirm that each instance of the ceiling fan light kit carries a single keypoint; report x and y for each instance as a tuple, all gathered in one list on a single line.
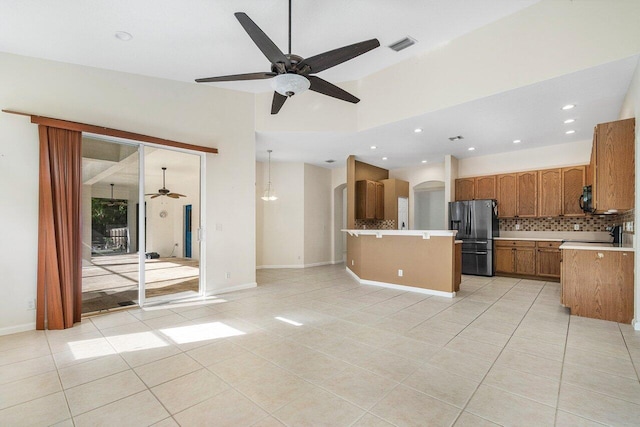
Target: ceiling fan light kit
[(291, 73), (290, 84)]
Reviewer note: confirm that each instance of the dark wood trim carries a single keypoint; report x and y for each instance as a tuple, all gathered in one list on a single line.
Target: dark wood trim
[(100, 130)]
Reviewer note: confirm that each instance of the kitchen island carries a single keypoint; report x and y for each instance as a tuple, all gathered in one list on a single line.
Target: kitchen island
[(425, 261), (597, 280)]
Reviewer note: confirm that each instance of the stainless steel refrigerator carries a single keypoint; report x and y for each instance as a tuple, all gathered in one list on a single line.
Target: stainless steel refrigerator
[(477, 224)]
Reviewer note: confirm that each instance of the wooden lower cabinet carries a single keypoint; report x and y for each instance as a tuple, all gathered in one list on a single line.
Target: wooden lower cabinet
[(548, 258), (598, 284), (528, 258), (515, 257)]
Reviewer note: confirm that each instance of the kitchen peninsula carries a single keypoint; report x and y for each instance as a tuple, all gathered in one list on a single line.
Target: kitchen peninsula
[(425, 261)]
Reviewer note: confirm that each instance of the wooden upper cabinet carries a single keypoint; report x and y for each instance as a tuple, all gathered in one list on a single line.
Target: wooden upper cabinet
[(614, 178), (485, 187), (506, 185), (465, 189), (527, 194), (365, 199), (573, 180), (379, 203), (550, 192)]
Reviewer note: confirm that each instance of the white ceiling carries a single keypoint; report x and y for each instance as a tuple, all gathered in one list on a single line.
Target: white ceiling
[(187, 40)]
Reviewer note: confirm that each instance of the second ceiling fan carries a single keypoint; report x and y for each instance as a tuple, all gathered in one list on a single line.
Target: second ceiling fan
[(291, 73)]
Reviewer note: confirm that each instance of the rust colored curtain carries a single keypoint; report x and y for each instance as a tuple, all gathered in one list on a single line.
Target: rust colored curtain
[(59, 240)]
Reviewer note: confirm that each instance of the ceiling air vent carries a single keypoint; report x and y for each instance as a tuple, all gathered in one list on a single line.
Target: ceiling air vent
[(329, 161), (456, 138), (402, 44)]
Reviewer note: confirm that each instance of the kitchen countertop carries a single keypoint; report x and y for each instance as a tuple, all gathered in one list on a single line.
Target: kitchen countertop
[(597, 246), (535, 239), (425, 234)]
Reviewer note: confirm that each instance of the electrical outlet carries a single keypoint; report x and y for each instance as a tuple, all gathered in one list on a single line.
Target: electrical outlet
[(576, 227), (400, 273), (353, 262), (517, 226), (228, 275), (31, 304)]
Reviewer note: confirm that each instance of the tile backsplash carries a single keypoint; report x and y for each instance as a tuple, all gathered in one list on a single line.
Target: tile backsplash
[(375, 224), (588, 223)]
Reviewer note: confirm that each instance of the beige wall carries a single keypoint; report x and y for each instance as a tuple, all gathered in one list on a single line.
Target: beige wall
[(317, 215), (295, 229), (282, 219), (157, 107), (570, 154)]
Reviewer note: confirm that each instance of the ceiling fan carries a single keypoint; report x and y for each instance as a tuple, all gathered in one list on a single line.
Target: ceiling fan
[(112, 201), (164, 191), (291, 73)]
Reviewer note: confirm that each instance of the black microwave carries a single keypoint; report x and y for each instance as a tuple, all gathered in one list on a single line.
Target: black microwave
[(586, 200)]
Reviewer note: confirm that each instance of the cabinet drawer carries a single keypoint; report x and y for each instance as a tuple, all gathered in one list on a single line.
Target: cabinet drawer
[(551, 245), (516, 243)]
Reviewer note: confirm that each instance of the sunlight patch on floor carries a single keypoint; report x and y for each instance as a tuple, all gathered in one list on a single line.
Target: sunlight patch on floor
[(203, 332)]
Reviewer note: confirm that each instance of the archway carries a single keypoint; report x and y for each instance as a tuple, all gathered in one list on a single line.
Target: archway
[(429, 206)]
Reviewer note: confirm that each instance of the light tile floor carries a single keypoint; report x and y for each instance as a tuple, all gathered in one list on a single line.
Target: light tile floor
[(311, 348)]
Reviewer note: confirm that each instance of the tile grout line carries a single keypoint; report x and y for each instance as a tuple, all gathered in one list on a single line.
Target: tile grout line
[(501, 351)]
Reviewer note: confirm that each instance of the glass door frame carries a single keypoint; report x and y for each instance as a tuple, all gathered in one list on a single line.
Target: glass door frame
[(143, 214)]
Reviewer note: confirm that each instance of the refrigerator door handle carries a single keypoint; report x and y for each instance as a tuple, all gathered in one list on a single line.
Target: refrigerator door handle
[(475, 253)]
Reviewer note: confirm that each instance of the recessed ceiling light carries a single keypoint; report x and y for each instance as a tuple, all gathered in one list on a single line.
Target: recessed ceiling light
[(373, 147), (417, 130), (568, 106), (123, 36), (569, 121), (569, 132), (424, 161), (384, 158), (471, 148), (517, 141)]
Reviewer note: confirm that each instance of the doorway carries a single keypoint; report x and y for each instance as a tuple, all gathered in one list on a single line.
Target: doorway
[(135, 253), (340, 223), (429, 206)]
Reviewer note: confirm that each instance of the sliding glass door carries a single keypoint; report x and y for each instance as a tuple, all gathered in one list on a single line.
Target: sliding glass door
[(141, 215), (172, 187)]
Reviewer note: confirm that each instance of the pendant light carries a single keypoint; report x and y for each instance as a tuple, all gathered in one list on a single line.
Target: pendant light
[(269, 193)]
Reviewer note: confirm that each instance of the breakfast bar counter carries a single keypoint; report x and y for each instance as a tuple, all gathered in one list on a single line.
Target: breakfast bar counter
[(425, 261)]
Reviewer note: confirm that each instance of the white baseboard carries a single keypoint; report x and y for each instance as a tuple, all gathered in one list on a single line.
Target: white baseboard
[(18, 328), (401, 287), (635, 324), (231, 288)]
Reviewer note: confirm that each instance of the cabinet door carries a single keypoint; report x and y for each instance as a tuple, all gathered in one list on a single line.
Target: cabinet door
[(465, 189), (527, 194), (525, 261), (550, 193), (615, 171), (573, 179), (598, 284), (504, 260), (485, 187), (548, 263), (506, 195), (379, 200), (370, 212)]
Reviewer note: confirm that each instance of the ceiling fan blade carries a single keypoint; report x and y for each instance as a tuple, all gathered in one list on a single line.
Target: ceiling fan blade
[(156, 195), (176, 195), (329, 89), (334, 57), (277, 103), (237, 77), (264, 43)]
